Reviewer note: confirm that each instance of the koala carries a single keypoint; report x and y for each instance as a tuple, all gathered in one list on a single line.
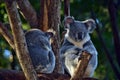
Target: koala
[(40, 50), (76, 40)]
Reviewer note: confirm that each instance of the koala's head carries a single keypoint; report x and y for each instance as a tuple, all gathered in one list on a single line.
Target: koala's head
[(36, 36), (78, 30)]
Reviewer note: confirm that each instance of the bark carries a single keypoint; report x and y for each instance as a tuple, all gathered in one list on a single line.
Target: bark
[(28, 12), (50, 19), (7, 35), (81, 66), (53, 23), (44, 15), (19, 41)]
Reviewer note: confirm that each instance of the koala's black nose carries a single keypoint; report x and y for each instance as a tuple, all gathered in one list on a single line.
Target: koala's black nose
[(80, 35)]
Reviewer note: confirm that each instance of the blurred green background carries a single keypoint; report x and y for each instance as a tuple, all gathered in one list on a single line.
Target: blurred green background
[(81, 10)]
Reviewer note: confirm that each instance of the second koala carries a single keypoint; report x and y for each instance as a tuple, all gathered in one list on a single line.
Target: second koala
[(40, 50), (76, 40)]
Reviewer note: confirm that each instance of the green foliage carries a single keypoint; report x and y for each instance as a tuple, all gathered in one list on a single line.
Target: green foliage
[(81, 10)]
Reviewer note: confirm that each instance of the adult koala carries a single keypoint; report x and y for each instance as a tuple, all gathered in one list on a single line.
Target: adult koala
[(76, 40), (40, 50)]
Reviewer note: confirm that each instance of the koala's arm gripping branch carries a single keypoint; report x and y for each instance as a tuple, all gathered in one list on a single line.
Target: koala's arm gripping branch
[(81, 66)]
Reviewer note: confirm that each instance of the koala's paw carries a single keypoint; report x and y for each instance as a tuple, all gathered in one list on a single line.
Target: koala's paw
[(78, 51)]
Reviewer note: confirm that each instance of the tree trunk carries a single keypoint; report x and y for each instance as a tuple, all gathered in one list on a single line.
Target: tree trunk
[(53, 23), (19, 40), (50, 19)]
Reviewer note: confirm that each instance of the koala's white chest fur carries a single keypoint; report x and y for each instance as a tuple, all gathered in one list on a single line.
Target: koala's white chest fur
[(80, 43)]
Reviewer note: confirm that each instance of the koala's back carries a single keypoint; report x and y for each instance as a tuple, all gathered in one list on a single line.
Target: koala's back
[(40, 51), (34, 34)]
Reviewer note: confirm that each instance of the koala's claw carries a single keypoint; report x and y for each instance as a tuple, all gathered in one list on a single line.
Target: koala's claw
[(79, 51)]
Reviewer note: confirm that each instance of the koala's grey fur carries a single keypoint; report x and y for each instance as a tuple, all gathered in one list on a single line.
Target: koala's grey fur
[(76, 40), (40, 50)]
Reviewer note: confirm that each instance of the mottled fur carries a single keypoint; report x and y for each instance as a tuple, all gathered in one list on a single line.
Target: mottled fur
[(40, 50), (77, 39)]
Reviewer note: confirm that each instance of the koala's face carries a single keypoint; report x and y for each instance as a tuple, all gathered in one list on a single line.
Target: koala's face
[(78, 30)]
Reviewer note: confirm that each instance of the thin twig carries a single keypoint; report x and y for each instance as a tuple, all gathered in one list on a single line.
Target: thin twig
[(7, 35)]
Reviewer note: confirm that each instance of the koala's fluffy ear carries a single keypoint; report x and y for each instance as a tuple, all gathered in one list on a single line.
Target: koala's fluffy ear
[(68, 20), (90, 25), (49, 34)]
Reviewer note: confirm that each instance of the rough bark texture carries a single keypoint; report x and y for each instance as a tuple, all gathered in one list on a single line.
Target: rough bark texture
[(28, 12), (5, 33), (53, 23), (19, 40), (81, 66), (50, 19)]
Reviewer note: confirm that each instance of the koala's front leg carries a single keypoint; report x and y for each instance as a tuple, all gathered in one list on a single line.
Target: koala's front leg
[(72, 57), (74, 50)]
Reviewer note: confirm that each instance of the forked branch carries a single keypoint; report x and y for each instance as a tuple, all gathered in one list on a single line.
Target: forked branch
[(19, 40), (28, 12)]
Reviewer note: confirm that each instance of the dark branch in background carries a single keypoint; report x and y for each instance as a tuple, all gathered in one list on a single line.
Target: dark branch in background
[(28, 12), (7, 35), (19, 40), (81, 66), (113, 18), (66, 7), (116, 71), (66, 13)]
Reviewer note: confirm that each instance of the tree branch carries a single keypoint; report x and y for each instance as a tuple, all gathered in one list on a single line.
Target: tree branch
[(7, 35), (44, 15), (19, 40), (18, 75), (113, 18), (115, 69), (28, 12), (81, 66)]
